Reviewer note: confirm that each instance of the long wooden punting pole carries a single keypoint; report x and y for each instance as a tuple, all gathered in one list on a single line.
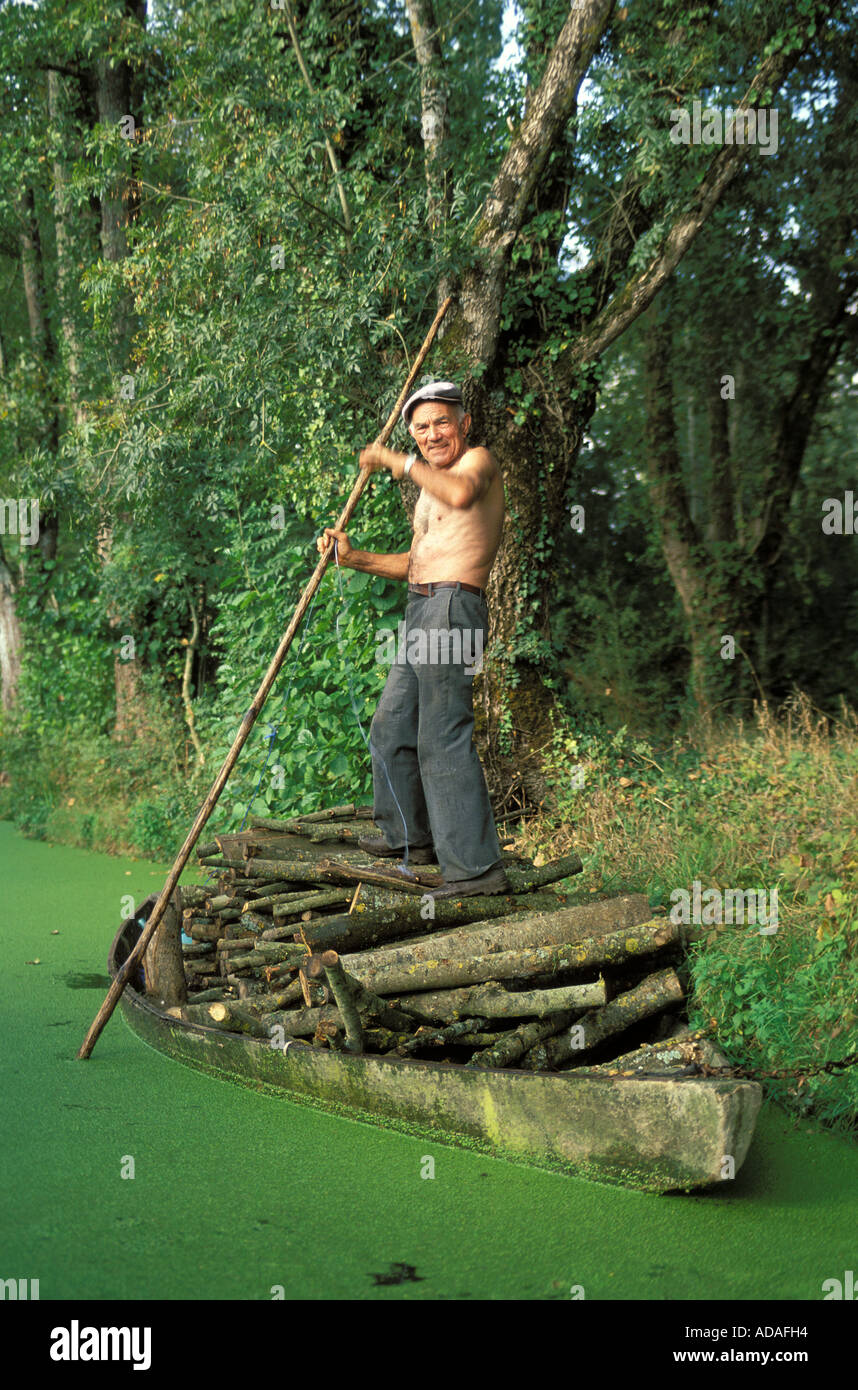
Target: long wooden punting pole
[(247, 723)]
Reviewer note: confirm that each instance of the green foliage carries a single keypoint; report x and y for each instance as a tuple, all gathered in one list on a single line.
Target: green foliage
[(765, 808), (155, 826), (785, 1003), (267, 342), (67, 676), (318, 750)]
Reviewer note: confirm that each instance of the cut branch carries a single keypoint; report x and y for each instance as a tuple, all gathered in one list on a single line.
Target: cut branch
[(399, 978), (652, 995)]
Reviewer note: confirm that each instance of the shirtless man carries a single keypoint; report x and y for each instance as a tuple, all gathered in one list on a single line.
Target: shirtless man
[(430, 794)]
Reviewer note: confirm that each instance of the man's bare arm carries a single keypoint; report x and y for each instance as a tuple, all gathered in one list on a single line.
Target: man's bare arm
[(460, 489), (387, 566)]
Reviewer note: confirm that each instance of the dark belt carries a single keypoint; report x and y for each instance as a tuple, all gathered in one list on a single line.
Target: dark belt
[(427, 590)]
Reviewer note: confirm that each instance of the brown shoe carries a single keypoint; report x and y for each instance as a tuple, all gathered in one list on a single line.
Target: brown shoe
[(419, 854), (493, 881)]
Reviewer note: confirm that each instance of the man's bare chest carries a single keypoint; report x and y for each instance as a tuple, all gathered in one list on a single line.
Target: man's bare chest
[(429, 513)]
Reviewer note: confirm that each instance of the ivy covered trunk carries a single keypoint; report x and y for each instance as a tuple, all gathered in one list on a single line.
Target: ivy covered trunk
[(516, 704)]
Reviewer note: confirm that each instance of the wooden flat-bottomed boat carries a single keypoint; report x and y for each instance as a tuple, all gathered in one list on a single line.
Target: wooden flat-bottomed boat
[(654, 1132)]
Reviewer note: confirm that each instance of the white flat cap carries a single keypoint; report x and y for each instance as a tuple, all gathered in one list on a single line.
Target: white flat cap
[(432, 391)]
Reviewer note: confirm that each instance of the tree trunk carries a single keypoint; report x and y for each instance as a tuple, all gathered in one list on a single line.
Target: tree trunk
[(536, 433), (60, 109), (557, 396), (115, 92), (681, 542), (434, 124), (10, 637), (33, 274)]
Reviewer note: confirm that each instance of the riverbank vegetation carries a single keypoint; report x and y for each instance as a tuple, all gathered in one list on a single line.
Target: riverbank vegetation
[(223, 232)]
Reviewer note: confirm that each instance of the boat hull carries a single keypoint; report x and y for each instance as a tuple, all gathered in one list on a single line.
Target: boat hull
[(655, 1134)]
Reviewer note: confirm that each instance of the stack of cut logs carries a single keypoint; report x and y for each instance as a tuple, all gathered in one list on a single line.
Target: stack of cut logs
[(350, 953)]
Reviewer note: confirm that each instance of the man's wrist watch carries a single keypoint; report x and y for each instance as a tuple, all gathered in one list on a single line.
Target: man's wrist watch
[(408, 465)]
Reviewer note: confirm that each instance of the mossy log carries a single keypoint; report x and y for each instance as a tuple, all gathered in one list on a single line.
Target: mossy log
[(269, 1002), (302, 1023), (494, 1001), (526, 880), (325, 834), (203, 929), (200, 967), (345, 995), (563, 922), (193, 949), (257, 892), (271, 870), (163, 962), (252, 960), (288, 904), (653, 994), (510, 1047), (521, 880), (193, 894), (305, 1022), (207, 996), (467, 1040), (397, 977), (367, 1003), (455, 960), (383, 1039), (666, 1056), (442, 912), (229, 1015), (228, 945), (414, 881), (349, 811), (265, 953), (254, 922), (382, 917), (277, 867), (437, 1037), (294, 850), (293, 872), (512, 931)]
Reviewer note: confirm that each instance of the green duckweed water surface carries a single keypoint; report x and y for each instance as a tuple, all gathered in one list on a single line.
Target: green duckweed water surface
[(236, 1192)]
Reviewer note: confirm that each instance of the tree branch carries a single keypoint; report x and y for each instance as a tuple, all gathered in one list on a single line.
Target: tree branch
[(641, 289), (509, 199)]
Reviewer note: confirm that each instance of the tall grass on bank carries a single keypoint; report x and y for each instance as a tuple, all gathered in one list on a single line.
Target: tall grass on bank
[(773, 804)]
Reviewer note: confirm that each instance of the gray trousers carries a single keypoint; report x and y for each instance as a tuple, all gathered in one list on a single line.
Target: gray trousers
[(428, 782)]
